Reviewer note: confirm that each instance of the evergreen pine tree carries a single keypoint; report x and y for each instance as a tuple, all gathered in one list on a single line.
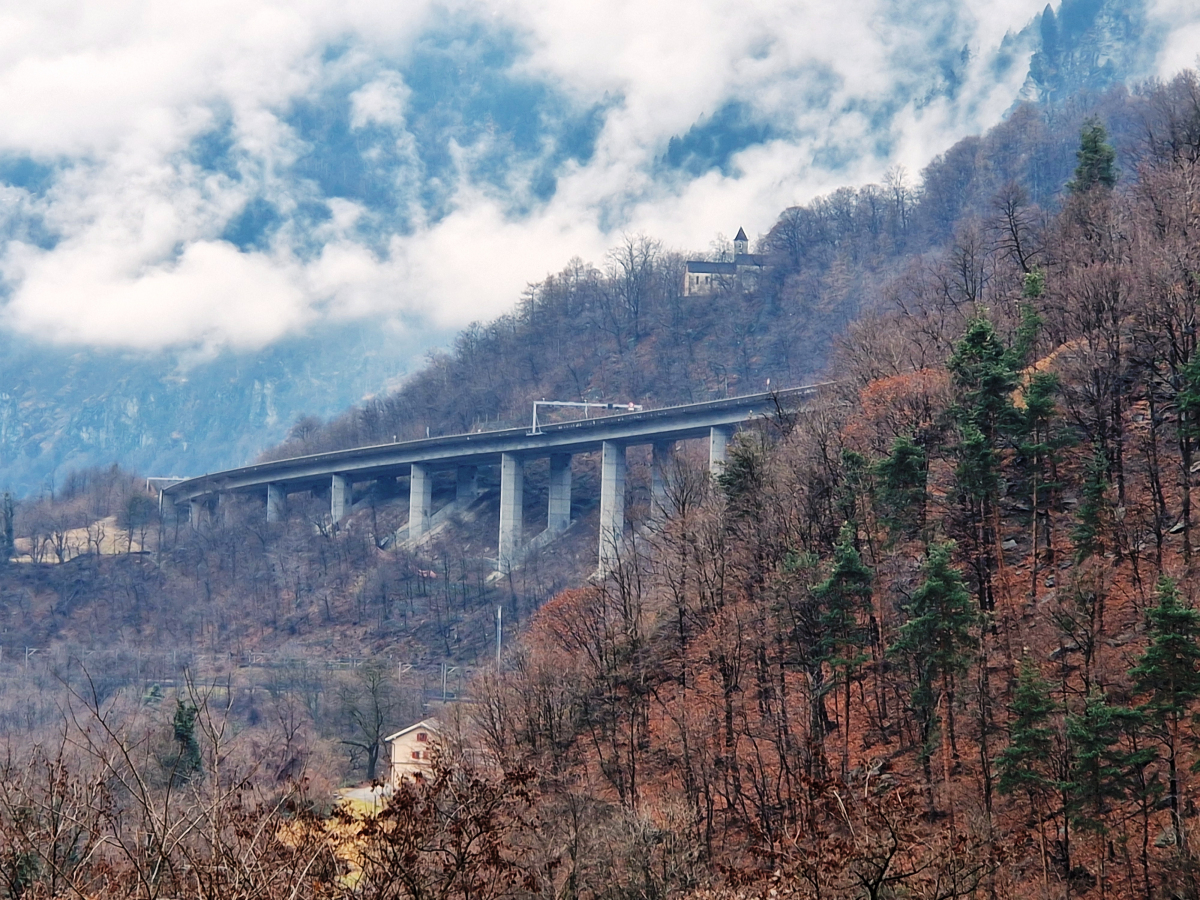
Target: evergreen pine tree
[(1097, 159), (1102, 770), (1034, 284), (938, 640), (900, 488), (1187, 398), (1088, 534), (1026, 764), (844, 598), (977, 477), (1187, 417), (985, 376), (977, 474), (1168, 675), (854, 484), (1031, 321), (743, 475), (187, 759)]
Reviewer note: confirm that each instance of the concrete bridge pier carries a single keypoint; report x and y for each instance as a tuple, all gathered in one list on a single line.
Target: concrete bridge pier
[(195, 512), (718, 443), (276, 498), (512, 508), (467, 484), (420, 501), (340, 497), (661, 456), (612, 502), (558, 517)]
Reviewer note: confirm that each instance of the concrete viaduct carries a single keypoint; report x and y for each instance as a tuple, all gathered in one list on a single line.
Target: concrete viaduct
[(509, 449)]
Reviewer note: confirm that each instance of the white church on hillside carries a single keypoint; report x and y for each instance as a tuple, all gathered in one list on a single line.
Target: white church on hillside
[(702, 276)]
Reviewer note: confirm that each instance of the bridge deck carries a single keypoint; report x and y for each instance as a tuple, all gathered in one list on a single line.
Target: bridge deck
[(671, 423)]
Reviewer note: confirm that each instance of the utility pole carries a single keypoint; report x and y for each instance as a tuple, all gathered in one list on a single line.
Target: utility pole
[(499, 632), (446, 671)]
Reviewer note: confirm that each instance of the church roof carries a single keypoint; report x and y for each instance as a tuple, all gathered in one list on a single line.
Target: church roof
[(740, 261), (701, 266), (741, 235)]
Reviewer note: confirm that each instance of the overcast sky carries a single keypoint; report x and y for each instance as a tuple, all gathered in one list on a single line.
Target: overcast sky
[(197, 175)]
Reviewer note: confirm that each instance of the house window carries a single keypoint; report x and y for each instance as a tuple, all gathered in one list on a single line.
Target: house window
[(422, 737), (416, 754)]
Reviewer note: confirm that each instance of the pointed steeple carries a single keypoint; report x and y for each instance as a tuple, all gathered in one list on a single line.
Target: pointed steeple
[(741, 243)]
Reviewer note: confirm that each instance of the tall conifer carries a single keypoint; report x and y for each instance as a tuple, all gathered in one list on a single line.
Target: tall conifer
[(938, 640), (845, 598), (1168, 675), (1026, 765), (900, 488), (1097, 159)]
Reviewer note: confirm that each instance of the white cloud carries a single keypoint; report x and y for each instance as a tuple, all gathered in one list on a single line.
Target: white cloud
[(1181, 20), (94, 293), (113, 94), (380, 102)]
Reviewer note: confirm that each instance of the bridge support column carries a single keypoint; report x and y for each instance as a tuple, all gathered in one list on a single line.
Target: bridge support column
[(612, 502), (467, 487), (512, 508), (558, 518), (340, 497), (420, 501), (276, 497), (661, 456), (718, 442), (195, 512)]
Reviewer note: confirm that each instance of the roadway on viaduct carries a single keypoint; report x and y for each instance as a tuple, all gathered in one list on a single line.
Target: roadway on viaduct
[(510, 448)]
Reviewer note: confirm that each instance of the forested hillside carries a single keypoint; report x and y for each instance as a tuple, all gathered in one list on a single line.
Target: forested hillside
[(621, 329), (940, 638), (935, 636)]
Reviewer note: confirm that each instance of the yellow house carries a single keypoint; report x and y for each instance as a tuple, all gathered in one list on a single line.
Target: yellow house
[(411, 750)]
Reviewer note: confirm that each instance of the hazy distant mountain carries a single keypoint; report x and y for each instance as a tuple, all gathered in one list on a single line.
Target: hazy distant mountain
[(63, 409)]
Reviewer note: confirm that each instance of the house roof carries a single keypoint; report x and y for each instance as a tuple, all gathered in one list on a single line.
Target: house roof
[(741, 235), (428, 724)]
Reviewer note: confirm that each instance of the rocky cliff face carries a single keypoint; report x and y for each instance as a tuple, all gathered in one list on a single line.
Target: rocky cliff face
[(1088, 45)]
